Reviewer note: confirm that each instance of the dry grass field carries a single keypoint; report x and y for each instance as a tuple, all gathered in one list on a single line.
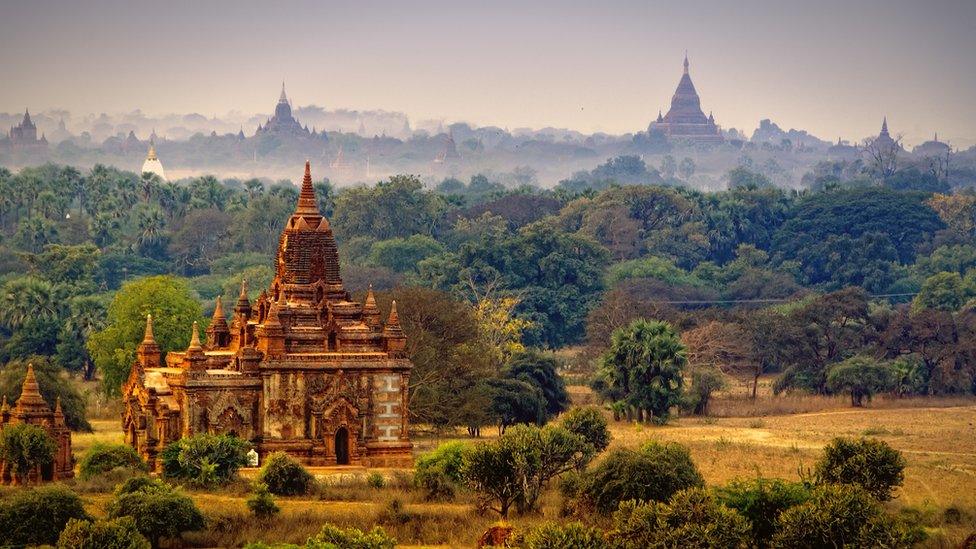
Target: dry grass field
[(774, 437)]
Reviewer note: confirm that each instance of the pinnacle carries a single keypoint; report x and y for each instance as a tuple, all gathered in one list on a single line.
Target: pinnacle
[(218, 313), (307, 203), (195, 339), (149, 337)]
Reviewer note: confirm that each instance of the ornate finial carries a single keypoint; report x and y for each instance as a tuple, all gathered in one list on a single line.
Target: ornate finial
[(243, 288), (218, 313), (283, 98), (884, 126), (686, 61), (30, 392), (307, 204), (57, 407), (195, 339), (149, 337), (394, 318)]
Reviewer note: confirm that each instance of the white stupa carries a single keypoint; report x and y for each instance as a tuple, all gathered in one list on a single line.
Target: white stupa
[(152, 163)]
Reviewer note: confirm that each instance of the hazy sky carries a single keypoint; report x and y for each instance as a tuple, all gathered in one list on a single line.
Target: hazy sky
[(833, 68)]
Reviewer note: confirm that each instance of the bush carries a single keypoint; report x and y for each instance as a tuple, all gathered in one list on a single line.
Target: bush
[(37, 516), (589, 423), (655, 472), (205, 460), (761, 501), (439, 472), (704, 382), (26, 447), (841, 515), (350, 538), (375, 480), (120, 533), (869, 463), (158, 509), (284, 476), (573, 535), (102, 458), (692, 518), (262, 503)]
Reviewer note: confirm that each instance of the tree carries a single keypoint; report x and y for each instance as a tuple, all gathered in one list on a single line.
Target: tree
[(261, 503), (644, 365), (120, 533), (871, 464), (704, 382), (514, 401), (173, 308), (668, 166), (402, 255), (160, 511), (686, 168), (691, 518), (102, 458), (761, 501), (36, 516), (204, 459), (282, 475), (942, 291), (862, 377), (742, 177), (588, 422), (540, 370), (26, 448), (573, 535), (441, 472)]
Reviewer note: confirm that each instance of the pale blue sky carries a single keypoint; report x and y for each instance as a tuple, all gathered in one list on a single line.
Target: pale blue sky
[(834, 68)]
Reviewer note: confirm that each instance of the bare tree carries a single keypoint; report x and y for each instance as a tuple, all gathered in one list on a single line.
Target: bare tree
[(883, 154)]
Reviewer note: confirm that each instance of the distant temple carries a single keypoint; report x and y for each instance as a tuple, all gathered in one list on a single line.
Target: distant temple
[(152, 163), (283, 124), (932, 148), (685, 119), (32, 409), (449, 152), (303, 370), (25, 134), (884, 139)]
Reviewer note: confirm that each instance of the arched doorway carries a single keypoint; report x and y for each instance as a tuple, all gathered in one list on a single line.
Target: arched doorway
[(342, 446)]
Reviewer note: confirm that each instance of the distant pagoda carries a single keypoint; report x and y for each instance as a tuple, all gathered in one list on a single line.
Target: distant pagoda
[(152, 163), (283, 124), (25, 133), (685, 120)]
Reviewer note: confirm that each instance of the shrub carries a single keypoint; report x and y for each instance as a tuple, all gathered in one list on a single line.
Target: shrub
[(841, 515), (375, 480), (692, 518), (869, 463), (862, 377), (26, 447), (655, 472), (350, 538), (120, 533), (205, 460), (573, 535), (284, 476), (704, 382), (761, 501), (261, 503), (589, 423), (439, 472), (159, 510), (102, 458), (37, 516), (394, 513)]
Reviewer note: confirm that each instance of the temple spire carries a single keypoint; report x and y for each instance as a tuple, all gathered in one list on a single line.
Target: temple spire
[(884, 126), (218, 314), (686, 61), (195, 339), (30, 392), (149, 337), (307, 204), (283, 98)]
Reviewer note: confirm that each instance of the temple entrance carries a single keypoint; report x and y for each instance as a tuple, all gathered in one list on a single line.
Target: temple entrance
[(342, 446)]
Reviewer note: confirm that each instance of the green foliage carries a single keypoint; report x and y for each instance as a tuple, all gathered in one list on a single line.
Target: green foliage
[(379, 211), (841, 516), (862, 377), (284, 476), (375, 480), (37, 516), (761, 501), (514, 401), (261, 503), (942, 292), (589, 423), (174, 310), (204, 459), (655, 472), (160, 511), (53, 385), (704, 382), (869, 463), (651, 267), (644, 365), (25, 447), (120, 533), (540, 370), (513, 470), (440, 472), (403, 254), (573, 535), (350, 538), (691, 518), (102, 458)]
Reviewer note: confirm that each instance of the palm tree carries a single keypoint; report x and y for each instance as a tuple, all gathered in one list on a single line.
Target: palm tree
[(27, 298), (151, 222), (150, 183), (86, 316)]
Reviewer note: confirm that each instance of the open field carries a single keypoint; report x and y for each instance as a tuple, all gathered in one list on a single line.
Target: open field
[(938, 441)]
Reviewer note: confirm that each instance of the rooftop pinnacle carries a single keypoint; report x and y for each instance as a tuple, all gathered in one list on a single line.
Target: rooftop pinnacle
[(307, 203), (149, 337), (30, 392)]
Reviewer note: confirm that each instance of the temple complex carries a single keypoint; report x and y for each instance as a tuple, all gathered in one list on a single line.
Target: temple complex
[(884, 139), (303, 369), (25, 134), (31, 409), (283, 124), (152, 163), (934, 147), (685, 119)]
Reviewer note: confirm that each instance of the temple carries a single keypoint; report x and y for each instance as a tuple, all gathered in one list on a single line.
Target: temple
[(33, 410), (884, 139), (303, 369), (685, 119), (152, 163), (25, 134), (283, 123)]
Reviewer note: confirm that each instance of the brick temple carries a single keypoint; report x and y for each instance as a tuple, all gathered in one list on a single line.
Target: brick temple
[(303, 369), (685, 120)]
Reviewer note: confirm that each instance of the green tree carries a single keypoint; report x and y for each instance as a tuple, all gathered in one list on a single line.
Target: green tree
[(261, 503), (120, 533), (441, 472), (871, 464), (589, 423), (204, 459), (573, 535), (691, 518), (942, 291), (284, 476), (36, 516), (402, 255), (862, 377), (102, 458), (540, 370), (644, 366), (173, 309), (761, 501), (160, 511), (25, 448)]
